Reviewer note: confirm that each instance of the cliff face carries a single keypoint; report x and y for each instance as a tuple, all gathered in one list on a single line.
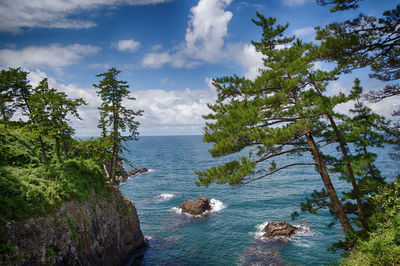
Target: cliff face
[(98, 231)]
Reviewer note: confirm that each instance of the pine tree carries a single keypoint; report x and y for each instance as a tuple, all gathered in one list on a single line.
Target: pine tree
[(48, 116), (7, 85), (362, 131), (115, 118), (277, 114), (366, 41)]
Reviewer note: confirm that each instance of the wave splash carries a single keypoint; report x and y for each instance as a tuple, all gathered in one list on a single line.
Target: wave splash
[(165, 196)]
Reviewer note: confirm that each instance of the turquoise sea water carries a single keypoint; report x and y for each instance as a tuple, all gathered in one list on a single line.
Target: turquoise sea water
[(228, 235)]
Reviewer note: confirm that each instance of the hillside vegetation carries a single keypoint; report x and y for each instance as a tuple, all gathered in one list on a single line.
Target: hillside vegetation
[(29, 188)]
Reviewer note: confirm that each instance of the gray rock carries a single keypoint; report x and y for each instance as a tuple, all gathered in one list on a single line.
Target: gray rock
[(279, 229), (196, 207), (98, 231)]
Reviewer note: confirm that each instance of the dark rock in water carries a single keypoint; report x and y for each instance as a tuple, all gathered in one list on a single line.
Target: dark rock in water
[(279, 229), (124, 175), (195, 208), (135, 171)]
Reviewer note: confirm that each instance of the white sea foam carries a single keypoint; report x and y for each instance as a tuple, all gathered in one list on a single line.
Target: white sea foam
[(177, 210), (148, 238), (165, 196), (150, 170), (216, 206), (303, 231)]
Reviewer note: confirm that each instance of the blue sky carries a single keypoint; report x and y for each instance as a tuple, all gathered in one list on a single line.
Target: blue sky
[(168, 50)]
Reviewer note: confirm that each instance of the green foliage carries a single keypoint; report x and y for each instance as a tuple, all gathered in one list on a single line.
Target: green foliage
[(48, 115), (340, 5), (9, 82), (383, 245), (361, 131), (30, 192), (275, 115), (115, 117), (30, 189)]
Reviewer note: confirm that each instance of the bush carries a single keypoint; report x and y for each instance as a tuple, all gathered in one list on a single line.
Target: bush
[(39, 191), (383, 245)]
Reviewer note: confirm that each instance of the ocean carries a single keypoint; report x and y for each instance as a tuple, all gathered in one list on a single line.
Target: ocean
[(230, 233)]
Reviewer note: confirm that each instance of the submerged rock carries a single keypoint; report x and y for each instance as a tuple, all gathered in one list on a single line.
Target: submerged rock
[(196, 207), (279, 229), (262, 253)]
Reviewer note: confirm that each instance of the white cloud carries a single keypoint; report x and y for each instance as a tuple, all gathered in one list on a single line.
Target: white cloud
[(246, 56), (204, 42), (17, 14), (204, 39), (53, 55), (208, 26), (293, 3), (156, 60), (165, 112), (173, 108), (306, 31), (127, 45)]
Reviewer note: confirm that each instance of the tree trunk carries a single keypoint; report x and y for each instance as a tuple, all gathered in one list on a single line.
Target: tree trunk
[(337, 205), (4, 119), (45, 160), (66, 150), (346, 159), (58, 149)]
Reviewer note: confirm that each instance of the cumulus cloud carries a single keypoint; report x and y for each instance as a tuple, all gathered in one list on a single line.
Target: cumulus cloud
[(127, 45), (17, 14), (208, 26), (204, 42), (165, 112), (204, 39), (246, 56), (53, 55), (173, 108), (156, 60)]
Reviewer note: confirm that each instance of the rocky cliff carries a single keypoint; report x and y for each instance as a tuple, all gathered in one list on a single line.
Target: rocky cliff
[(97, 231)]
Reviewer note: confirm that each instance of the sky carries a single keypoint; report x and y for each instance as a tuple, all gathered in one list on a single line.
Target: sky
[(168, 50)]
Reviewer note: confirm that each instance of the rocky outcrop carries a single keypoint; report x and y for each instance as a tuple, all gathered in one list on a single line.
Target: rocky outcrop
[(196, 207), (279, 229), (135, 171), (124, 175), (103, 230)]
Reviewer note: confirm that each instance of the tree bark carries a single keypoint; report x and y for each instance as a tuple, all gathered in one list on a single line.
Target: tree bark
[(337, 205), (58, 149), (346, 159), (45, 160), (4, 119), (66, 150)]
